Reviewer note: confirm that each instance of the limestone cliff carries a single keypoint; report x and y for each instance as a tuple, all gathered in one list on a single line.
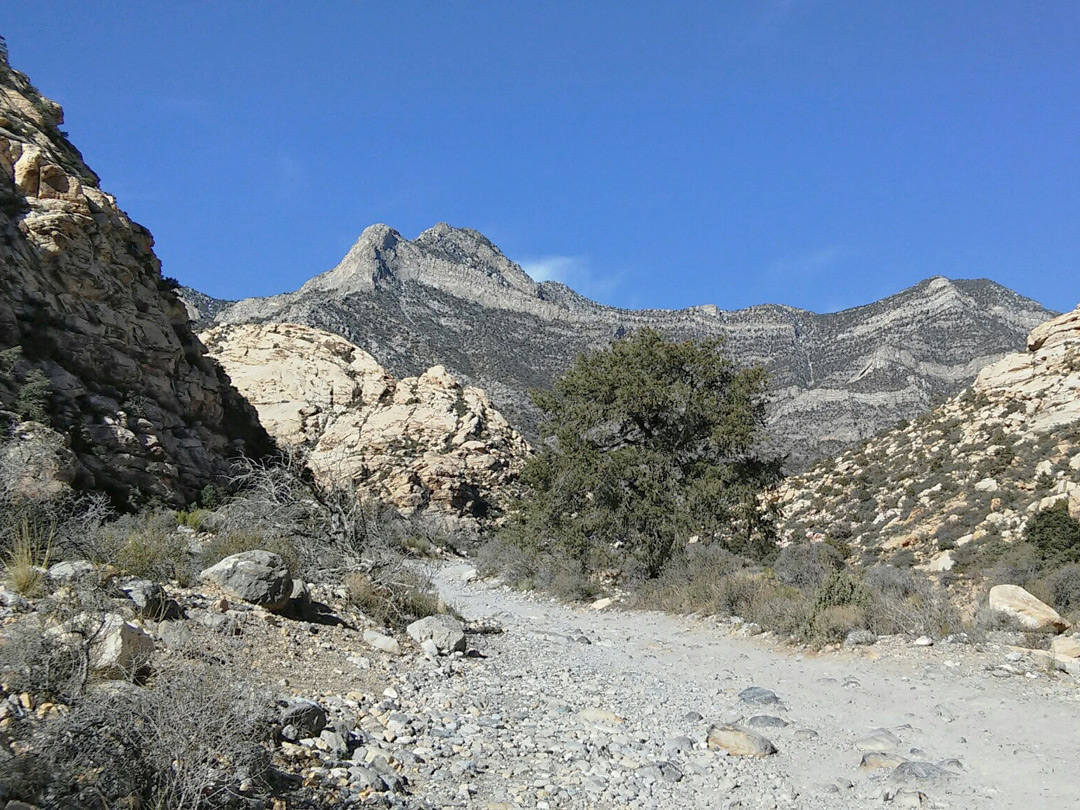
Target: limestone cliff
[(91, 337), (451, 297), (421, 442), (974, 469)]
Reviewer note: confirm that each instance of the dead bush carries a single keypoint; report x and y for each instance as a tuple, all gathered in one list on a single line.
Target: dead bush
[(145, 545), (220, 546), (831, 624), (185, 740), (515, 565)]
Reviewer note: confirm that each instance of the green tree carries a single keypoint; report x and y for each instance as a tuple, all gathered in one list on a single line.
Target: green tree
[(645, 444), (1055, 534)]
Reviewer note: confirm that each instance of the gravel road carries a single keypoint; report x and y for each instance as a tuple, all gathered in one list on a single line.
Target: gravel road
[(572, 707)]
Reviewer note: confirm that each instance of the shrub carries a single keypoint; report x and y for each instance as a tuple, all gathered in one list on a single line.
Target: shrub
[(393, 598), (1055, 534), (31, 545), (832, 624), (183, 741), (1065, 588), (146, 545), (807, 565)]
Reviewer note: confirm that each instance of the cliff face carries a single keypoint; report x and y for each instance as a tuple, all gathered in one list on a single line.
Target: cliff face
[(450, 297), (419, 443), (83, 303), (974, 469)]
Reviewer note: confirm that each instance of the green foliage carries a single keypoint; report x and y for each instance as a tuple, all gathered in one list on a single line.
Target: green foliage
[(839, 590), (32, 389), (1055, 534), (646, 443)]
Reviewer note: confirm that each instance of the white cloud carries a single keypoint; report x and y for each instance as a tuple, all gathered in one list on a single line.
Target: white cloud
[(810, 263), (576, 273)]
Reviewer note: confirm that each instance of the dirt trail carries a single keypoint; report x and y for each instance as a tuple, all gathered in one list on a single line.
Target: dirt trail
[(1015, 736)]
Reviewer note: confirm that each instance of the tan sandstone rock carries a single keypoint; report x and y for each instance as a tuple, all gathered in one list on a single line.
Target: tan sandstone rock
[(82, 301), (1029, 611), (421, 442)]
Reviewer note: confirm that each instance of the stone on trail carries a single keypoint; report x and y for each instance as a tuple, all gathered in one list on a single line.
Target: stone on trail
[(880, 739), (739, 742), (923, 641), (600, 604), (919, 772), (660, 772), (380, 642), (148, 597), (1032, 613), (446, 631), (600, 716), (757, 696), (873, 760), (860, 638), (767, 721), (908, 799), (259, 577), (1065, 647)]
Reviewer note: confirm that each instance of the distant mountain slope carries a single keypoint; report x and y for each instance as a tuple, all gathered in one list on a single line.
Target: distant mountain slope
[(451, 297), (972, 470)]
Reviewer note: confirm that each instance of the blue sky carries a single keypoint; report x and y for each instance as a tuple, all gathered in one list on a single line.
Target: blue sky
[(818, 153)]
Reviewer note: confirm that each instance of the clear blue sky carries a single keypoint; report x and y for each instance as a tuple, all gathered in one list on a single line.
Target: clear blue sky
[(809, 152)]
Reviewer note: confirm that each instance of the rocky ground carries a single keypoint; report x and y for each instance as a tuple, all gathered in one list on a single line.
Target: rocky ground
[(543, 705)]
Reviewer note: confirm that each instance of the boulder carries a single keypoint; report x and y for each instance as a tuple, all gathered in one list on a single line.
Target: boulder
[(739, 742), (1014, 601), (148, 597), (1065, 647), (70, 570), (758, 696), (446, 631), (380, 642), (307, 717), (259, 577), (119, 648)]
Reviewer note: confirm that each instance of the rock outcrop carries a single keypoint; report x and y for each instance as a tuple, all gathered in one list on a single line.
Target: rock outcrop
[(450, 297), (91, 337), (420, 442), (972, 471)]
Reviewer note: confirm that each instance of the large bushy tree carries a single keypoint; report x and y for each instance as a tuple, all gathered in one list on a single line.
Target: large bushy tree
[(644, 445)]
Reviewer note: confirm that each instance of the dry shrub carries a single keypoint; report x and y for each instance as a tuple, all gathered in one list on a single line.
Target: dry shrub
[(393, 599), (513, 564), (146, 545), (832, 624), (31, 545), (185, 740), (1064, 586), (807, 565)]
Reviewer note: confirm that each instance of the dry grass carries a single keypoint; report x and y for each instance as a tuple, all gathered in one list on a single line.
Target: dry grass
[(393, 600), (31, 546)]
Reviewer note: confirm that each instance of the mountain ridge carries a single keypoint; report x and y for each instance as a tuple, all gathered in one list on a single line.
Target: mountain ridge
[(451, 297)]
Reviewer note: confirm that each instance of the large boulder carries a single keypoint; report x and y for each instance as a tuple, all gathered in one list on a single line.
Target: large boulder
[(1032, 613), (259, 577), (446, 632)]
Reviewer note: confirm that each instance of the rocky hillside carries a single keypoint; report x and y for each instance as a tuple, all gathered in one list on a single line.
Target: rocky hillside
[(974, 469), (419, 442), (451, 297), (92, 340)]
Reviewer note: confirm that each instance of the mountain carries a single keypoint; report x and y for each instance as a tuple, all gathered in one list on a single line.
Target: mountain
[(451, 297), (964, 476), (419, 443), (92, 339)]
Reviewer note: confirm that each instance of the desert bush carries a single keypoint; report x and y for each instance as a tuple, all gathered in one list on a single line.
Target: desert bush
[(194, 519), (1064, 586), (903, 601), (185, 740), (332, 530), (48, 664), (145, 545), (393, 597), (646, 443), (31, 545), (1055, 534), (807, 565), (831, 624), (513, 563)]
